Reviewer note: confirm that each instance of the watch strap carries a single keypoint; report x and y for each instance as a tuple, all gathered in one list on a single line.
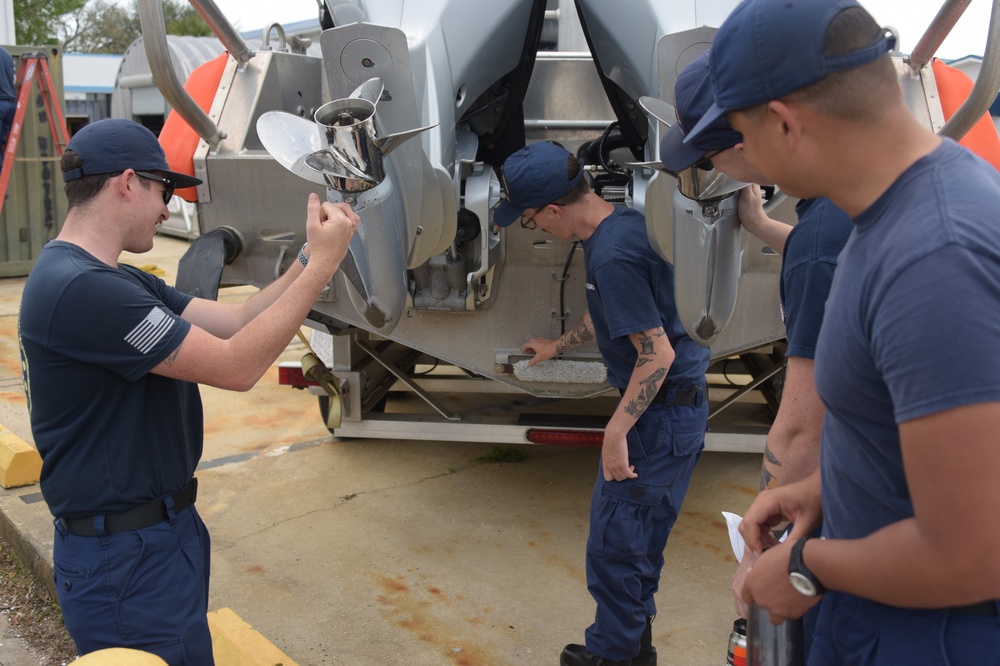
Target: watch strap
[(796, 564), (303, 259)]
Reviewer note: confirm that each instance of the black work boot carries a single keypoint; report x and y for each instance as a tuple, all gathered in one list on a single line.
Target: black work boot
[(577, 655), (647, 653)]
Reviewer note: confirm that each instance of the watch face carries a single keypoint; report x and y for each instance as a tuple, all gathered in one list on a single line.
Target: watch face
[(802, 584)]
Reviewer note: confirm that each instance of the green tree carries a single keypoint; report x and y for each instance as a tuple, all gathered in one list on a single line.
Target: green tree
[(103, 26), (181, 19), (37, 21), (97, 26)]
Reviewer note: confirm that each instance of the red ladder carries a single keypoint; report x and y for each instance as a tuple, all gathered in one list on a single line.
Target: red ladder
[(30, 66)]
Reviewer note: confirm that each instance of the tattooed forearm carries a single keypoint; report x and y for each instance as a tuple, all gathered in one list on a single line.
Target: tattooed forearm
[(646, 341), (647, 350), (172, 357), (649, 386), (768, 480), (576, 336)]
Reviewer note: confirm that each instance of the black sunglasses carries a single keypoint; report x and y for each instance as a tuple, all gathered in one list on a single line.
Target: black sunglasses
[(705, 163), (168, 193)]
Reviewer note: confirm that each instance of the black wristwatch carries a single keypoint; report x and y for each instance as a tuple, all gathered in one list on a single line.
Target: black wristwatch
[(799, 575)]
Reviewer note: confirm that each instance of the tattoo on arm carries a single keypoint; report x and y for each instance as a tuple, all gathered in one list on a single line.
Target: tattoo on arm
[(172, 357), (768, 480), (649, 386), (647, 351), (576, 336)]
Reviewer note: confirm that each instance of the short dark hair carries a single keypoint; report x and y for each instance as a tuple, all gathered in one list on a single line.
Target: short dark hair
[(83, 190), (858, 93), (573, 167)]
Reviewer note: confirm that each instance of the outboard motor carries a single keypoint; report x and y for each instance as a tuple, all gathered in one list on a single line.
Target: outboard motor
[(707, 240), (341, 149)]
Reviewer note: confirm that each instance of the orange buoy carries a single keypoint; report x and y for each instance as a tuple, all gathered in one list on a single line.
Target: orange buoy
[(954, 87), (178, 139)]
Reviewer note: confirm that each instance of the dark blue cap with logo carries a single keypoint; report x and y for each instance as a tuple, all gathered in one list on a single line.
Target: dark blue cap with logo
[(115, 144), (768, 49), (693, 96), (534, 176)]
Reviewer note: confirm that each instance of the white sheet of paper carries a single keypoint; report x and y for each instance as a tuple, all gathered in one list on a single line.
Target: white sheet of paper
[(735, 538)]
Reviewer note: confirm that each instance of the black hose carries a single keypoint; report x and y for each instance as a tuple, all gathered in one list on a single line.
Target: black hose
[(562, 288)]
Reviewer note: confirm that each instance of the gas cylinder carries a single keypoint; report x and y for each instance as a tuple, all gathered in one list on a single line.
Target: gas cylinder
[(737, 654)]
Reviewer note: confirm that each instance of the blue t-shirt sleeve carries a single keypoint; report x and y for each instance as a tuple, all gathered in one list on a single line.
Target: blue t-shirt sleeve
[(125, 321), (806, 289), (928, 363), (629, 306)]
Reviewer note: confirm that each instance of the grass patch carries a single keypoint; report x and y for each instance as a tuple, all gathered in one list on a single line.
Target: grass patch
[(502, 454)]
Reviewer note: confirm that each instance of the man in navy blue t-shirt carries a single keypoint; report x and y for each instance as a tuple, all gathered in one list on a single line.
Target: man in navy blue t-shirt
[(809, 257), (906, 362), (656, 435), (112, 358)]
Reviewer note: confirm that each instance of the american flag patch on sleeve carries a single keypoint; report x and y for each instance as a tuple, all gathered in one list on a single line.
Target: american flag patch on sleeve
[(150, 331)]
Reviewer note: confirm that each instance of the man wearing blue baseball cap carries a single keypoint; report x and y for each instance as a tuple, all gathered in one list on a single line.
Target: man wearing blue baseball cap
[(809, 257), (655, 437), (906, 362), (111, 359)]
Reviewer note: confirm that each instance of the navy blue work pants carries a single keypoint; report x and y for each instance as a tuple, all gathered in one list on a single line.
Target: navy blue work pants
[(856, 631), (7, 109), (144, 589), (630, 521)]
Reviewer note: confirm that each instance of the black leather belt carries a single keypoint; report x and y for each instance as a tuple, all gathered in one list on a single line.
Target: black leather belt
[(984, 608), (685, 396), (136, 518)]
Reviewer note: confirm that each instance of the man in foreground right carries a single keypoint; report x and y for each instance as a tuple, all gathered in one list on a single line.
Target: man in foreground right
[(906, 362)]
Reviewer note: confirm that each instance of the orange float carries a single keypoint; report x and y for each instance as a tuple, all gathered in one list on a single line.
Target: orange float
[(178, 139), (954, 87)]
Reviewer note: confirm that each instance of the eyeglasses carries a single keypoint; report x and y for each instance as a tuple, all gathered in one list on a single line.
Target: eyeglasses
[(530, 223), (168, 193), (705, 163)]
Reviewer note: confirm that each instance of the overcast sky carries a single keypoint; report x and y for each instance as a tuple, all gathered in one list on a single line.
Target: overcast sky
[(910, 17)]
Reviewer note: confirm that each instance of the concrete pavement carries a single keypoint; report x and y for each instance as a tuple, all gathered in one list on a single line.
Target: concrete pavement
[(375, 552)]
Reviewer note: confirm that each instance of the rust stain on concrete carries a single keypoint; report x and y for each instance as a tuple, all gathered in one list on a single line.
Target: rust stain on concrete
[(749, 491), (432, 619), (703, 530)]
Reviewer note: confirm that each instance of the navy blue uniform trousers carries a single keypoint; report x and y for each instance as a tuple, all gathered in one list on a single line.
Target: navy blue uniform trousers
[(852, 630), (144, 589), (630, 521)]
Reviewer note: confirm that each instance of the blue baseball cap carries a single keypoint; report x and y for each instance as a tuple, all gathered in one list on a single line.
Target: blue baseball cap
[(767, 49), (115, 144), (534, 176), (693, 96)]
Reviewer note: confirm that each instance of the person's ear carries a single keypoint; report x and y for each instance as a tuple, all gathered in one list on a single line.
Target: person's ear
[(786, 122), (124, 182)]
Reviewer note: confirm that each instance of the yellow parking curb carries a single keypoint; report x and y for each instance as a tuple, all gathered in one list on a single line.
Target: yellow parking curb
[(236, 643), (20, 464)]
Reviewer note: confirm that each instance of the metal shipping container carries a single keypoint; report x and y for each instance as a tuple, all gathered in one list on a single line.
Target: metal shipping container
[(36, 203)]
